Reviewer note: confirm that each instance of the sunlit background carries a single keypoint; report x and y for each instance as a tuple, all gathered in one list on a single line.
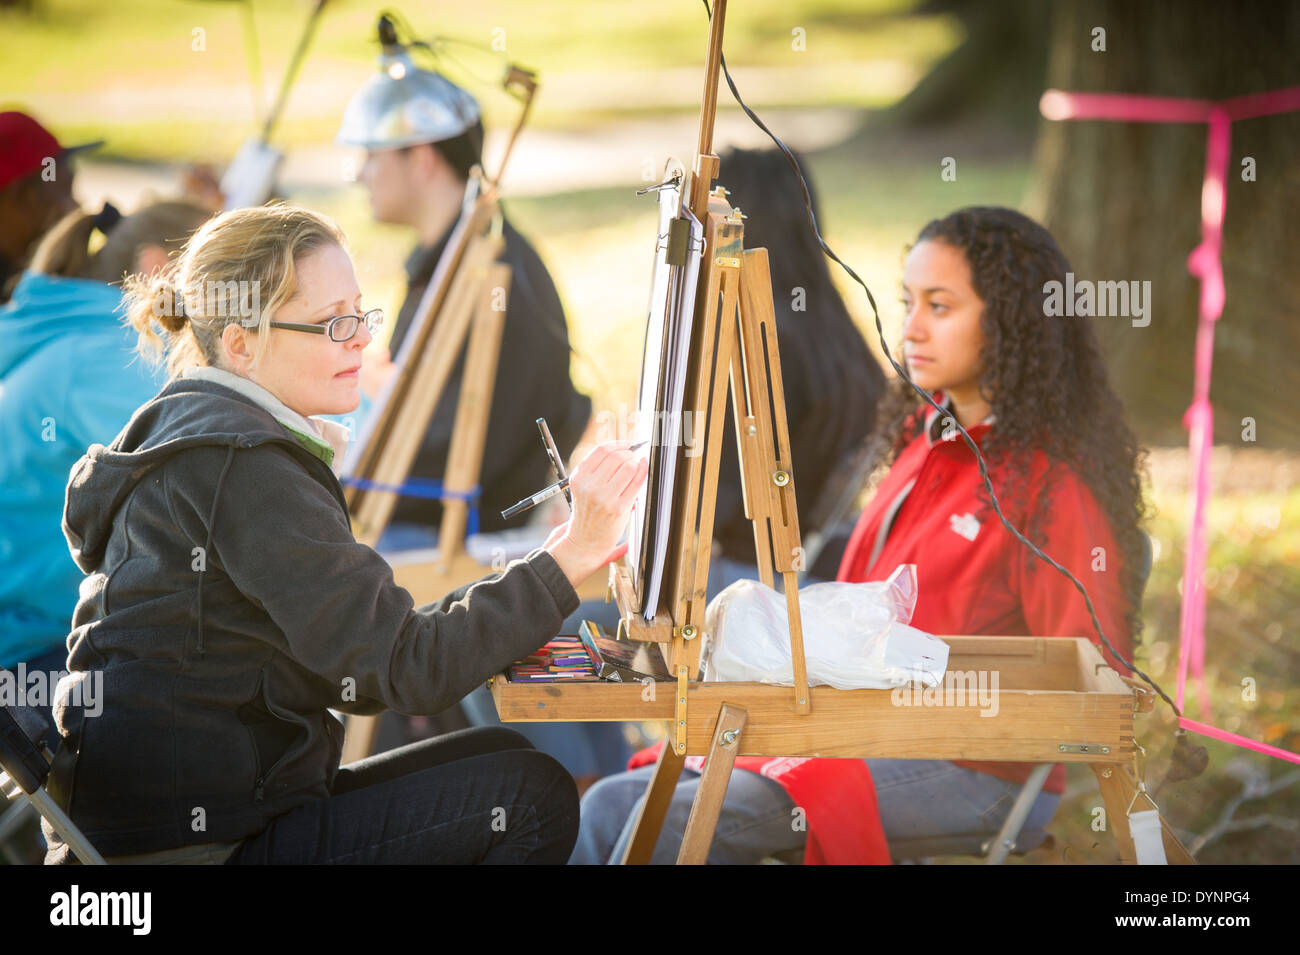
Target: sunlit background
[(876, 93)]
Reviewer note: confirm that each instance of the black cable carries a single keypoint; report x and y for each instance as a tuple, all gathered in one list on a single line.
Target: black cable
[(880, 331)]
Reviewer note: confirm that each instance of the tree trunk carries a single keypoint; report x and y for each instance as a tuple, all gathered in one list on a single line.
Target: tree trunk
[(993, 76), (1123, 199)]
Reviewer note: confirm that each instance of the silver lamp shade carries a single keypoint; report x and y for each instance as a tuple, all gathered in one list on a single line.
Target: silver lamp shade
[(403, 105)]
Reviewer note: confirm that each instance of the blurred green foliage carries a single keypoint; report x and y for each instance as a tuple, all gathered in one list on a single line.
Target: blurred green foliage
[(126, 71), (1252, 616), (129, 70)]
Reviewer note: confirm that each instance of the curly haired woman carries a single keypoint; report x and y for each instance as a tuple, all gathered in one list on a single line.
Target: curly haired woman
[(1032, 392)]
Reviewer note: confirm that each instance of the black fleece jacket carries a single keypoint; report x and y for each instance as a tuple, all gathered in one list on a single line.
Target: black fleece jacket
[(229, 607)]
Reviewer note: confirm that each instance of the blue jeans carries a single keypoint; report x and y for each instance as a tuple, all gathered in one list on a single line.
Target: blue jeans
[(926, 805), (584, 749), (754, 822), (475, 796), (922, 802)]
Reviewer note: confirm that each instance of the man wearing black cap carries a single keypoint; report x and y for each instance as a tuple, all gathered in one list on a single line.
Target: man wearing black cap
[(422, 135), (35, 190)]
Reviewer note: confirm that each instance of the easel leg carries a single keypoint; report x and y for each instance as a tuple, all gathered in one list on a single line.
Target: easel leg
[(469, 431), (658, 796), (1110, 780), (713, 786), (1117, 788), (1175, 852)]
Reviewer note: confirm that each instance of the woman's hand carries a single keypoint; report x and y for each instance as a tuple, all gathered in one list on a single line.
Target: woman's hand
[(604, 487)]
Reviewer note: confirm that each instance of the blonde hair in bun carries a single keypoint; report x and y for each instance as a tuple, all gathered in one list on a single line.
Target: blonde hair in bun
[(239, 268)]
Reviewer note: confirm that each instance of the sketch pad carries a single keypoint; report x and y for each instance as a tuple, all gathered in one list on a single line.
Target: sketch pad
[(669, 323)]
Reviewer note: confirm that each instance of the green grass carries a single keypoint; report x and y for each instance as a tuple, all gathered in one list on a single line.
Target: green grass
[(131, 72), (1252, 579)]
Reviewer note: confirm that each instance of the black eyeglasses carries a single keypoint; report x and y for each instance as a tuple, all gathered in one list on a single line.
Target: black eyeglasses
[(340, 329)]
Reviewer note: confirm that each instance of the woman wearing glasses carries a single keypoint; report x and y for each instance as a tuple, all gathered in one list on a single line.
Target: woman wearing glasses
[(228, 608)]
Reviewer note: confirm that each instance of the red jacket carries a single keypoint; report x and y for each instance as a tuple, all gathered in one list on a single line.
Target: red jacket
[(973, 576)]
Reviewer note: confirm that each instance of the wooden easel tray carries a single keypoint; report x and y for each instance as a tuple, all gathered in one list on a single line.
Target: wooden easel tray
[(1052, 692)]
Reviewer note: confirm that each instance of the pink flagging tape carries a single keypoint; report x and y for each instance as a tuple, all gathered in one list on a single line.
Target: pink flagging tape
[(1206, 263), (1123, 107), (1285, 100), (1214, 732)]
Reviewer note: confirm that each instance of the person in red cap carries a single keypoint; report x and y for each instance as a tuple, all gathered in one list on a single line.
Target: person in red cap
[(35, 190)]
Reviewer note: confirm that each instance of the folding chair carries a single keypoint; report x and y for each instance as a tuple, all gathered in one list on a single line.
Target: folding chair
[(24, 768)]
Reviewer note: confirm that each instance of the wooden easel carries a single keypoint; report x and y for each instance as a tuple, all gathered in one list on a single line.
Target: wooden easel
[(460, 303), (465, 298), (1058, 700), (467, 302)]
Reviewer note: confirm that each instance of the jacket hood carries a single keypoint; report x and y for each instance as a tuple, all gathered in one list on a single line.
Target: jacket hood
[(45, 308), (186, 413)]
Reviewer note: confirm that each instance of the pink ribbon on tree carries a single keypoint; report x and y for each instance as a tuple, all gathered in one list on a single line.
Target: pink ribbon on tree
[(1206, 263)]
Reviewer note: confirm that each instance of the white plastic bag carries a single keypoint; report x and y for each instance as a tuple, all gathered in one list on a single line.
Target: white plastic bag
[(855, 636)]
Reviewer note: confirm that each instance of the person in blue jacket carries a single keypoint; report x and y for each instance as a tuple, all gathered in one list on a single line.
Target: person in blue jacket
[(62, 390)]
